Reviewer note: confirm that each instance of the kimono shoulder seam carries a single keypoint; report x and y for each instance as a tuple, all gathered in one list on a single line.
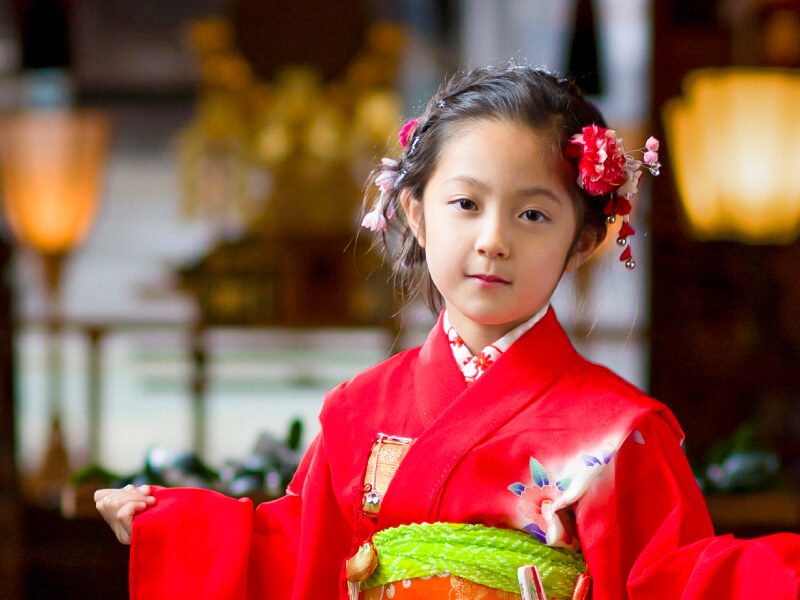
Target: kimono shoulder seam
[(373, 376), (608, 375), (628, 391)]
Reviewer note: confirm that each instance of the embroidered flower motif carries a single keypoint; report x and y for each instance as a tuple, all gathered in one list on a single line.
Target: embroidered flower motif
[(407, 131), (475, 366), (536, 504), (539, 504), (543, 506), (482, 361), (455, 339), (472, 369), (609, 450), (603, 163)]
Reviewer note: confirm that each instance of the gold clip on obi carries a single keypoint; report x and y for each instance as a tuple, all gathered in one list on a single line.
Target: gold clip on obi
[(387, 453)]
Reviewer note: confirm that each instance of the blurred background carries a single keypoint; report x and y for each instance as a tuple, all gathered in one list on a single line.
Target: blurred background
[(182, 281)]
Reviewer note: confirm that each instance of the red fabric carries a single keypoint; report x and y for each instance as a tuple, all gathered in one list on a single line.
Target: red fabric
[(655, 540), (174, 547), (641, 520)]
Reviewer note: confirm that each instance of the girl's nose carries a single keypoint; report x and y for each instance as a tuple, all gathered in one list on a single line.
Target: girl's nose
[(492, 240)]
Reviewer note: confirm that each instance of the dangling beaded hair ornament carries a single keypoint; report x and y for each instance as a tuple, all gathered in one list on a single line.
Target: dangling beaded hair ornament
[(605, 168)]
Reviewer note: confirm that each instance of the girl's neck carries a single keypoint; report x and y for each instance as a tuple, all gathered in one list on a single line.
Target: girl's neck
[(476, 336)]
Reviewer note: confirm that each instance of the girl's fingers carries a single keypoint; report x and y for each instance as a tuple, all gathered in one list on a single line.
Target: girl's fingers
[(124, 519), (100, 494), (128, 510), (122, 495), (118, 508)]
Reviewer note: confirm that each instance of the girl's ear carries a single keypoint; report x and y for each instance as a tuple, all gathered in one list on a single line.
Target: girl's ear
[(413, 209), (588, 241)]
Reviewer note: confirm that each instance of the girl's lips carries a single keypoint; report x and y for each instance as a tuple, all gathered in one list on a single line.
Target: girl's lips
[(489, 278)]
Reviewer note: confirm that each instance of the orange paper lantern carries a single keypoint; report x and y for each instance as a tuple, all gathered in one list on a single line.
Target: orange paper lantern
[(52, 163), (732, 139)]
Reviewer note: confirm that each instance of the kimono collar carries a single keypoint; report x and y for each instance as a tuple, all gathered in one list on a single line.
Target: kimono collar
[(473, 367), (454, 416)]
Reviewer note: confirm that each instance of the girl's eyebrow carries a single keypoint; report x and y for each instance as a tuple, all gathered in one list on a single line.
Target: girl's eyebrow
[(540, 191), (524, 192), (466, 179)]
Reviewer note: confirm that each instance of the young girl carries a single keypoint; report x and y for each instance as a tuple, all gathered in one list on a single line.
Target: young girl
[(441, 471)]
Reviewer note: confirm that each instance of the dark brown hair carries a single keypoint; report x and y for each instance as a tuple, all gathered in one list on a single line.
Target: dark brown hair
[(551, 106)]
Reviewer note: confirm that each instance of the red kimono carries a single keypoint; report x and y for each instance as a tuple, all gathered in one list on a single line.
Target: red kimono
[(544, 441)]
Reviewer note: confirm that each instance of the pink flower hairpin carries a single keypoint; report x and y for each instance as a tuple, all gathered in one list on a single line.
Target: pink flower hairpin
[(605, 168), (375, 220), (387, 179)]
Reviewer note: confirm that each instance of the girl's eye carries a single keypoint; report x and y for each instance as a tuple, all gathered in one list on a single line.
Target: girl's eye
[(533, 215), (466, 204)]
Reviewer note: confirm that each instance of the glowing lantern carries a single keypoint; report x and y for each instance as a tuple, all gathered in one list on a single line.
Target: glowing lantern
[(51, 168), (733, 143), (51, 165)]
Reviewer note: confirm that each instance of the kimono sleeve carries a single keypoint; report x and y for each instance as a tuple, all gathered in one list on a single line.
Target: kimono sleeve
[(276, 537), (646, 533), (192, 543), (196, 543)]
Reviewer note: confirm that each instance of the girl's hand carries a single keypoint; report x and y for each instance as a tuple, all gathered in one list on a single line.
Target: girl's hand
[(118, 507)]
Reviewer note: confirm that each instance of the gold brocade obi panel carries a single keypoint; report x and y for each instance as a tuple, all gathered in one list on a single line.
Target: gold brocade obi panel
[(387, 453)]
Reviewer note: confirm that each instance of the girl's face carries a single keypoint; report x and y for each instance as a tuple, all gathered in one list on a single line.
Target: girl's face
[(498, 226)]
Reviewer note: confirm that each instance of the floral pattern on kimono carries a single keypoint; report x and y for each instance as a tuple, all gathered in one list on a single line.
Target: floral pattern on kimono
[(543, 502), (473, 367)]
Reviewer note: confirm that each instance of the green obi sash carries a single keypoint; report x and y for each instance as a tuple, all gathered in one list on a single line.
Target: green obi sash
[(486, 555)]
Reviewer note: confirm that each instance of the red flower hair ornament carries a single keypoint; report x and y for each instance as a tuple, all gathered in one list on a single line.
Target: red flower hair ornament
[(407, 132), (604, 168)]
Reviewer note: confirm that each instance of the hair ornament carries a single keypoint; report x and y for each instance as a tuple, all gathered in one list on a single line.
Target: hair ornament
[(407, 131), (386, 180), (374, 220), (414, 144), (605, 168)]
